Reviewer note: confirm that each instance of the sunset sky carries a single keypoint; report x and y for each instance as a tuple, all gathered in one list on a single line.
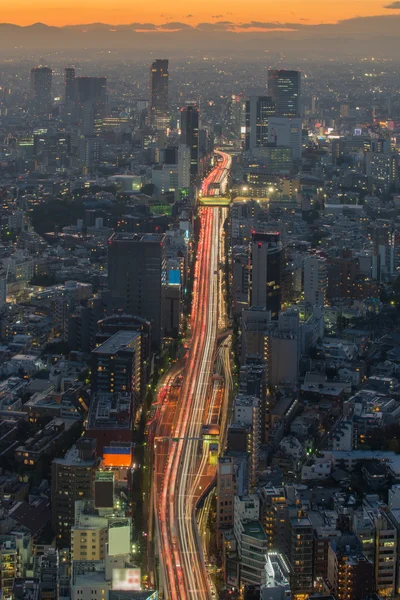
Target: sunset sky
[(71, 12)]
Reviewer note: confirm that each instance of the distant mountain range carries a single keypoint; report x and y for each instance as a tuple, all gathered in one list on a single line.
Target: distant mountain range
[(364, 36)]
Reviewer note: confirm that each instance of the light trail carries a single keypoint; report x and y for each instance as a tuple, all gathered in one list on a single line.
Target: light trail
[(183, 566)]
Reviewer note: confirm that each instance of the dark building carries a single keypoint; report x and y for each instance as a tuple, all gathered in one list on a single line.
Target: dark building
[(122, 322), (116, 365), (258, 111), (72, 479), (104, 490), (137, 277), (190, 137), (41, 79), (266, 271), (158, 105), (284, 89), (69, 82), (82, 325), (350, 573), (169, 155), (110, 420), (91, 90), (301, 545)]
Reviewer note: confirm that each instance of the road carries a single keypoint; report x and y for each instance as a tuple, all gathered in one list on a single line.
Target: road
[(185, 469), (218, 176)]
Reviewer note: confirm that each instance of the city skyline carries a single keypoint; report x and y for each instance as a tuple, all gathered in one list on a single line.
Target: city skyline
[(255, 15)]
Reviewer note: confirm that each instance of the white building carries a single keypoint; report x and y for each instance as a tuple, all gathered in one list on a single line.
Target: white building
[(315, 280)]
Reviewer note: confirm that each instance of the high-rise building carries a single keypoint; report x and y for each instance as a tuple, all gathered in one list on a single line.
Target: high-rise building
[(315, 280), (116, 364), (266, 266), (190, 137), (69, 81), (72, 479), (284, 89), (286, 132), (158, 105), (258, 111), (137, 276), (41, 78), (90, 100), (184, 166), (91, 90), (350, 573), (301, 545), (382, 169), (226, 490)]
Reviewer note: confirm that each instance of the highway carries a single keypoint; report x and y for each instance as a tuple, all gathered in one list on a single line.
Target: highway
[(185, 473), (218, 176)]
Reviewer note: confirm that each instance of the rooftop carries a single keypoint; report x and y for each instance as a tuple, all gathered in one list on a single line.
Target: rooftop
[(254, 529), (119, 341), (138, 237)]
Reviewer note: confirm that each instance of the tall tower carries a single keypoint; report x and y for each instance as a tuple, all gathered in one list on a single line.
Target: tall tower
[(158, 105), (266, 265), (69, 90), (137, 277), (41, 78), (258, 111), (190, 137), (284, 89)]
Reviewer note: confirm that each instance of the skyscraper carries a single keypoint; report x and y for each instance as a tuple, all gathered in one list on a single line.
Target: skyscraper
[(190, 137), (69, 91), (266, 264), (72, 479), (315, 280), (158, 105), (41, 78), (137, 276), (286, 132), (284, 89), (258, 111)]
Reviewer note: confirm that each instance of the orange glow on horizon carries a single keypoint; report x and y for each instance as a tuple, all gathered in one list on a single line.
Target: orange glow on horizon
[(72, 12)]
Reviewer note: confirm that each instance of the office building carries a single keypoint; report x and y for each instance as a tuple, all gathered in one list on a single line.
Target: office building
[(252, 544), (301, 533), (158, 105), (240, 279), (258, 111), (284, 89), (315, 280), (137, 276), (184, 167), (286, 132), (266, 266), (89, 534), (226, 490), (382, 169), (110, 420), (116, 365), (350, 573), (90, 90), (41, 79), (69, 82), (72, 479), (190, 138)]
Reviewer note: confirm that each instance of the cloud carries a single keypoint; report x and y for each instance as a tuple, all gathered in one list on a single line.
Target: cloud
[(218, 26), (393, 5), (175, 25), (144, 26), (268, 25), (189, 16), (217, 16)]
